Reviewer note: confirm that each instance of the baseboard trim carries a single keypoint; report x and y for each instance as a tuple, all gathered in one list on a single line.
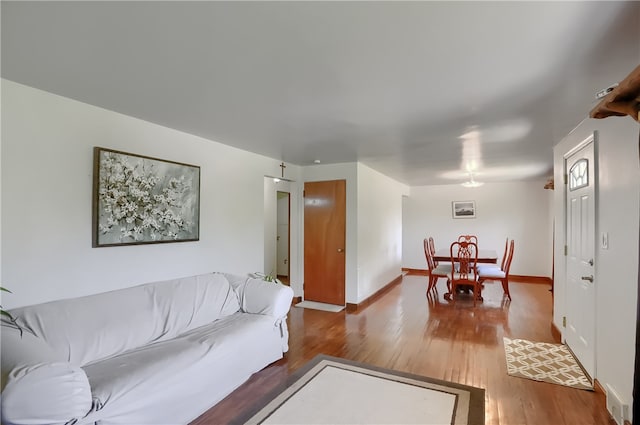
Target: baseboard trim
[(599, 389), (530, 279), (419, 272), (353, 308), (555, 333)]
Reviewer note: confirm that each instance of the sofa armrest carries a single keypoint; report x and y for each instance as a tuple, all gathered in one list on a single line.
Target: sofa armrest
[(37, 388), (259, 297), (46, 393)]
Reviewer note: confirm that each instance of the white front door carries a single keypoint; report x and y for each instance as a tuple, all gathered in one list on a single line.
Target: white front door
[(581, 294)]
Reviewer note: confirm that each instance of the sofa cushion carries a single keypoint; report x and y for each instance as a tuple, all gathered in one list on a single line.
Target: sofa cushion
[(492, 273), (86, 329), (260, 297), (175, 380), (184, 304)]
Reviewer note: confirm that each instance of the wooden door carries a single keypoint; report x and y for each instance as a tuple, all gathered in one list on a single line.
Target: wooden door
[(580, 295), (324, 241)]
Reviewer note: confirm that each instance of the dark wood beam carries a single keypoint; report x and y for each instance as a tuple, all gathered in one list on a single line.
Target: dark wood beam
[(622, 100)]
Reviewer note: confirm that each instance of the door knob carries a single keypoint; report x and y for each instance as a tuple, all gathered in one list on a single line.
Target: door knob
[(589, 278), (340, 250)]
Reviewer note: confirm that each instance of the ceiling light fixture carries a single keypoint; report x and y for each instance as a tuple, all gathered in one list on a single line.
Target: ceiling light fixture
[(472, 182)]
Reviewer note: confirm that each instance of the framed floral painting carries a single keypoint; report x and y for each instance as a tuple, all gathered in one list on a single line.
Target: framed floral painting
[(142, 200)]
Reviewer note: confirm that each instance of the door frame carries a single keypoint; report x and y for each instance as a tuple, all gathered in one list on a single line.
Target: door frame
[(591, 139), (271, 188)]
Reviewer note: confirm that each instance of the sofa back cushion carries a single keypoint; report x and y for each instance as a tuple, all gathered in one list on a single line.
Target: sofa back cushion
[(188, 303), (86, 329)]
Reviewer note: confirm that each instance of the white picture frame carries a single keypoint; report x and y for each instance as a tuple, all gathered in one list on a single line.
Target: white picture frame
[(463, 209)]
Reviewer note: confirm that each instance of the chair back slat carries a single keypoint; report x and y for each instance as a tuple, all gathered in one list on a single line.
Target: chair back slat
[(506, 253), (466, 255), (507, 266), (432, 250), (427, 254), (468, 238)]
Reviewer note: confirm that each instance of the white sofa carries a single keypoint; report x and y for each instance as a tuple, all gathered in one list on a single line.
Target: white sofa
[(159, 354)]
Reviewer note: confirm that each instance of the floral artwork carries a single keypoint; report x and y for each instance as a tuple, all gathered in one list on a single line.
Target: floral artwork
[(140, 200)]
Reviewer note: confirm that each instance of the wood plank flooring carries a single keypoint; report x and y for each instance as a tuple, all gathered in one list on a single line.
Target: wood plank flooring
[(408, 331)]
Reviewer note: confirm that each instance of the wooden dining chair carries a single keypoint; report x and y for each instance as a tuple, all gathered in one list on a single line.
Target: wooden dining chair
[(435, 271), (466, 255), (468, 238), (491, 266), (432, 249), (500, 275)]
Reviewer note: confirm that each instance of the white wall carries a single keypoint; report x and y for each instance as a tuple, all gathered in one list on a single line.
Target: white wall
[(1, 149), (616, 269), (47, 160), (379, 230), (47, 167), (552, 219), (518, 210)]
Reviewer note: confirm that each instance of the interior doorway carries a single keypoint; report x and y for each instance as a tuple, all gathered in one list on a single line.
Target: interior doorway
[(283, 237)]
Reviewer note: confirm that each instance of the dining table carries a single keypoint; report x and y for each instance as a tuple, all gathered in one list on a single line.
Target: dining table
[(484, 255)]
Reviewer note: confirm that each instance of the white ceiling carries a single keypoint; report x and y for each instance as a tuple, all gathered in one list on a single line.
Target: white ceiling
[(419, 91)]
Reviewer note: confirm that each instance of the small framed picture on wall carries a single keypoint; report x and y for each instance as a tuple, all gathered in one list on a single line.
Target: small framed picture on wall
[(463, 209)]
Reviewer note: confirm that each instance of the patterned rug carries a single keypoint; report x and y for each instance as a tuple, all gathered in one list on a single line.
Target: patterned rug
[(330, 390), (545, 362)]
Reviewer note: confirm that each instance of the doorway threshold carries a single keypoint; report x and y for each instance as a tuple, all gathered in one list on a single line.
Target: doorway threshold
[(320, 306)]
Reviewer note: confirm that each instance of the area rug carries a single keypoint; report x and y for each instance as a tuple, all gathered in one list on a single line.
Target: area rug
[(545, 362), (331, 390), (320, 306)]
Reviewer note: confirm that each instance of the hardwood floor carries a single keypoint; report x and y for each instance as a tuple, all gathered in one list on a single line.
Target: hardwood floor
[(408, 331)]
